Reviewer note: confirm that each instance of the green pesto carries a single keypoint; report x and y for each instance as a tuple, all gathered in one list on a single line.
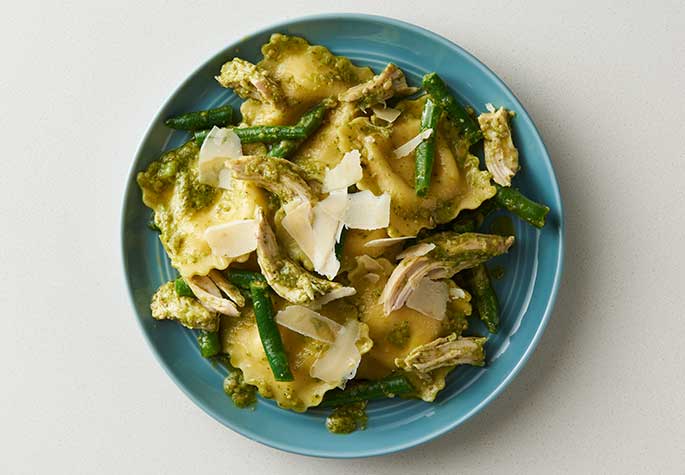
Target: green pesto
[(242, 394), (399, 335), (455, 322), (174, 168), (347, 419)]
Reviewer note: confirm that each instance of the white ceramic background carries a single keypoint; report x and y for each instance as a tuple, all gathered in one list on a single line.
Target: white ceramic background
[(80, 391)]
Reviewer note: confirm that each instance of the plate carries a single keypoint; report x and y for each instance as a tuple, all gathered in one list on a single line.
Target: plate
[(527, 291)]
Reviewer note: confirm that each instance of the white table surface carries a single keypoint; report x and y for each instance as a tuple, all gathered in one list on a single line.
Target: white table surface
[(80, 392)]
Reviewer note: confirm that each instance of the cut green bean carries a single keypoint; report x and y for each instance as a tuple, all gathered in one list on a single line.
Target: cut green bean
[(221, 116), (387, 387), (268, 332), (513, 200), (182, 288), (260, 134), (340, 245), (243, 278), (466, 124), (425, 152), (486, 299), (209, 343), (310, 122)]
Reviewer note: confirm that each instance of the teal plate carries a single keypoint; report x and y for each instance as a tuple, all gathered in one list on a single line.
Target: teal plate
[(527, 291)]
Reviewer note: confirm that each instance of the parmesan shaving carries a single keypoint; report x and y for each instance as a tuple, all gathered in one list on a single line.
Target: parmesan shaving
[(367, 211), (346, 173), (232, 239), (429, 298), (418, 250), (388, 114), (407, 148), (297, 222), (490, 107), (308, 323), (384, 242), (219, 145), (331, 296), (340, 362)]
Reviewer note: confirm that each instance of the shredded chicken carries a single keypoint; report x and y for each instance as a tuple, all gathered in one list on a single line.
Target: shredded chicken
[(390, 82), (287, 278), (281, 177), (250, 81), (226, 287), (448, 351), (453, 253), (210, 297), (501, 156)]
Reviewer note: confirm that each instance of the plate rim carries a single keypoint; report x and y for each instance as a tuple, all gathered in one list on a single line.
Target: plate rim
[(451, 424)]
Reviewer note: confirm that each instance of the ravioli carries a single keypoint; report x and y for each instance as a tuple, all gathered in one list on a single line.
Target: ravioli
[(306, 73), (456, 182), (240, 339), (420, 329), (184, 209)]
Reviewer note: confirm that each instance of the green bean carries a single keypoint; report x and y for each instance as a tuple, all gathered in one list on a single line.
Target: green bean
[(466, 124), (182, 288), (310, 122), (486, 299), (199, 120), (268, 332), (209, 343), (260, 134), (425, 152), (340, 245), (387, 387), (512, 200), (243, 278)]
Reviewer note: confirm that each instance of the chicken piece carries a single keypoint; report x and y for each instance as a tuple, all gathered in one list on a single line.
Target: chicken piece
[(226, 287), (250, 81), (501, 156), (210, 297), (279, 176), (167, 305), (390, 82), (287, 278), (443, 352), (453, 252)]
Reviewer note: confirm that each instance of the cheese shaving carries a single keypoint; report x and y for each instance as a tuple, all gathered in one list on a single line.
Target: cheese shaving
[(331, 296), (367, 211), (232, 239), (308, 323), (384, 242), (388, 114), (219, 145), (346, 173), (407, 148), (418, 250), (457, 293), (340, 362), (429, 298)]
